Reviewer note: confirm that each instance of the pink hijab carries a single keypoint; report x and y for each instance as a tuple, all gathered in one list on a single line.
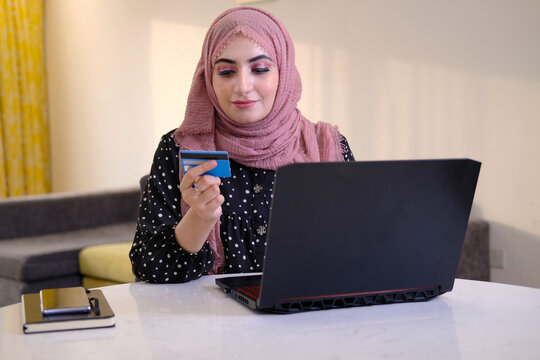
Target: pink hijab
[(284, 136)]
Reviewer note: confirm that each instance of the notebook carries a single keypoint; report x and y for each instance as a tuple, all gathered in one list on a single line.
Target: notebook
[(69, 312), (361, 233)]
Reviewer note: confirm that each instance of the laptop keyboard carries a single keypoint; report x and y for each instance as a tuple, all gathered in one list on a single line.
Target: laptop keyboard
[(251, 291)]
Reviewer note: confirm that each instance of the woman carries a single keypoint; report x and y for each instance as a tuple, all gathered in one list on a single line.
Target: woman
[(242, 100)]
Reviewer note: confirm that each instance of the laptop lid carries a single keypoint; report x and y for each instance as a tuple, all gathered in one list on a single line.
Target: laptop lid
[(342, 229)]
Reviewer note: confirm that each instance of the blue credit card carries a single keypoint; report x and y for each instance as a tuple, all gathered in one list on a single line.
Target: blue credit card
[(194, 158)]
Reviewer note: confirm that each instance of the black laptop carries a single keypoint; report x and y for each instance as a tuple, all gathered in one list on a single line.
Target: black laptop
[(361, 233)]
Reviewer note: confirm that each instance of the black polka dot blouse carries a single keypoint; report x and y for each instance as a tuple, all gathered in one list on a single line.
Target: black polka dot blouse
[(155, 254)]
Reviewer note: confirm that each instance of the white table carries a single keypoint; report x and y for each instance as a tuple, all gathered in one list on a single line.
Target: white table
[(477, 320)]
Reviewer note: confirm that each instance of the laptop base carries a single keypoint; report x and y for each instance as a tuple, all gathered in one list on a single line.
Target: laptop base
[(245, 289), (360, 299)]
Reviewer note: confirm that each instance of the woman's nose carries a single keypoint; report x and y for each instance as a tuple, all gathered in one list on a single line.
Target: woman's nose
[(244, 84)]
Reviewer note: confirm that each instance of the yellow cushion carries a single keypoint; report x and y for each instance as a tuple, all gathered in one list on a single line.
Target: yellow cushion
[(109, 262), (91, 282)]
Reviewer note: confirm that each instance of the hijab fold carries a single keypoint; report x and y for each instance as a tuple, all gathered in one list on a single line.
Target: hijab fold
[(284, 136)]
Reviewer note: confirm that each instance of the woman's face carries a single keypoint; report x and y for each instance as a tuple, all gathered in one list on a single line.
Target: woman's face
[(245, 81)]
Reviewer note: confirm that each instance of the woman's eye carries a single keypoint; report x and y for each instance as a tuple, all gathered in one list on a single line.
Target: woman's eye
[(225, 72), (260, 70)]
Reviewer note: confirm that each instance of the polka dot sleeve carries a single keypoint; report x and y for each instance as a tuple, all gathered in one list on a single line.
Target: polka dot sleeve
[(347, 153), (155, 255)]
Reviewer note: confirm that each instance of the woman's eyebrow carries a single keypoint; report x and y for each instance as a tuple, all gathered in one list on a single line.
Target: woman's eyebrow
[(229, 61), (256, 58)]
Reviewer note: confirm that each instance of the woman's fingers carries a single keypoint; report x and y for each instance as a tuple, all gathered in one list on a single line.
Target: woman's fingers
[(204, 182), (194, 173), (208, 194), (207, 204), (201, 192)]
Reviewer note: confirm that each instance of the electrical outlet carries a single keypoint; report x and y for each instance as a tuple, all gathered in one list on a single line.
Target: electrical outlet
[(496, 258)]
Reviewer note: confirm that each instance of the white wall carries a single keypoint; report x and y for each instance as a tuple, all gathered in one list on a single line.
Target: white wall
[(402, 79)]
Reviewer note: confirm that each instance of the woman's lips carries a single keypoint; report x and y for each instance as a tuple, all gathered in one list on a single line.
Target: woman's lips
[(244, 104)]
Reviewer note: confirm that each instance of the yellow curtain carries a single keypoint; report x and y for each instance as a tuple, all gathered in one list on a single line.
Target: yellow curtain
[(24, 127)]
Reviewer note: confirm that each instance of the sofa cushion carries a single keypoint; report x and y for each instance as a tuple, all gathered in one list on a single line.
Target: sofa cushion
[(38, 215), (89, 282), (30, 259), (108, 262)]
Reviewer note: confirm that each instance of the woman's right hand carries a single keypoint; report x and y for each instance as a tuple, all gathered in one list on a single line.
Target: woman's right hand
[(201, 192)]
